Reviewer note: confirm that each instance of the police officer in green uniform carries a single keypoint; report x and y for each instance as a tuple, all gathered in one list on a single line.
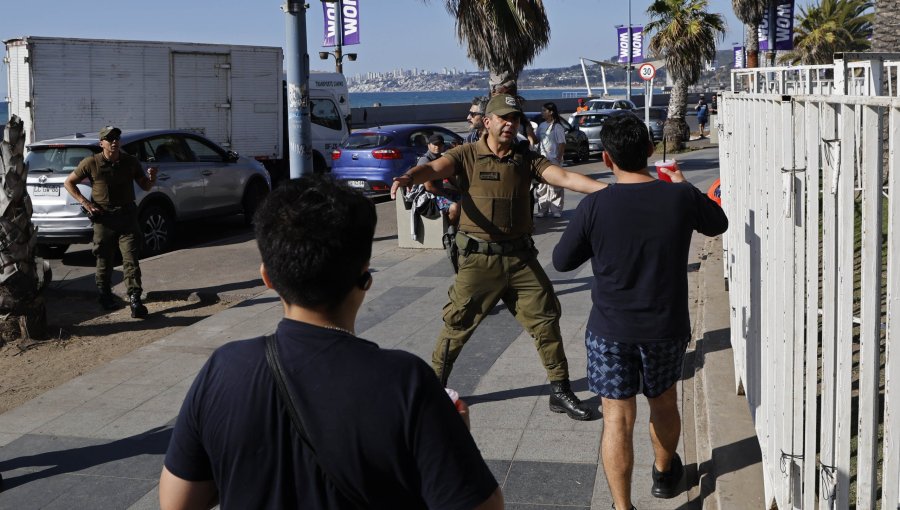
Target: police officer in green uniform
[(497, 256), (114, 214)]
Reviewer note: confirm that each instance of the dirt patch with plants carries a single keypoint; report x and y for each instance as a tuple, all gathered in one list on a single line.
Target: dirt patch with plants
[(83, 336)]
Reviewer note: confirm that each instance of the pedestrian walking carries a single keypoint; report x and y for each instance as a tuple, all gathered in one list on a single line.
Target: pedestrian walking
[(113, 212), (552, 143), (497, 257), (639, 325), (702, 115), (313, 416)]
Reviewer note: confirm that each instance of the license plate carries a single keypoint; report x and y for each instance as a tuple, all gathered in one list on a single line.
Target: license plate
[(356, 184), (45, 190)]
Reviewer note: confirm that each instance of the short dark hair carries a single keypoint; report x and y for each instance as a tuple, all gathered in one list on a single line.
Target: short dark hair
[(625, 139), (315, 237)]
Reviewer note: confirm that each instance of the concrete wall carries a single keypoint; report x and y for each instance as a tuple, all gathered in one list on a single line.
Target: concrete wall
[(456, 112)]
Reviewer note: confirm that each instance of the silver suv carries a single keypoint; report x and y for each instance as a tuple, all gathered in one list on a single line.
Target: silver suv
[(197, 178)]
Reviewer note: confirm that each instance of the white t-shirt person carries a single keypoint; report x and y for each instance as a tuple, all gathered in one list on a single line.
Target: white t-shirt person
[(550, 136)]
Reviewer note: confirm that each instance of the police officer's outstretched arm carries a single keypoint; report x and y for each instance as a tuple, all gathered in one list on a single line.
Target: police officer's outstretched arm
[(441, 168), (558, 176)]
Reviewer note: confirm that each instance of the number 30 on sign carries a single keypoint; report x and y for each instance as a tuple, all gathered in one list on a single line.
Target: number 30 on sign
[(647, 71)]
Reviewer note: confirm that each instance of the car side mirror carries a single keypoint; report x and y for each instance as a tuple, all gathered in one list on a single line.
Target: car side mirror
[(232, 156)]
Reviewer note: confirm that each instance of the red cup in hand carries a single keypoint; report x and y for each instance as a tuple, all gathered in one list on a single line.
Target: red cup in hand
[(668, 164)]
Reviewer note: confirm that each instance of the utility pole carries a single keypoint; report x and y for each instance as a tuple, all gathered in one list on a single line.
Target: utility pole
[(297, 64), (772, 19)]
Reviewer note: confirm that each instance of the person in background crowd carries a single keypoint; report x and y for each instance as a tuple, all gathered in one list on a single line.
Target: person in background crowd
[(497, 257), (444, 192), (378, 430), (582, 105), (113, 213), (552, 143), (475, 118), (639, 325)]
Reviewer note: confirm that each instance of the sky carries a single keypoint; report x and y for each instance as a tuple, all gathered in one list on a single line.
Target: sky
[(393, 33)]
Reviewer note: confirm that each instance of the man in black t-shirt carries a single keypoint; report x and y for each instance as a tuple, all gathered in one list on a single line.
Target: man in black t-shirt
[(381, 431), (637, 234)]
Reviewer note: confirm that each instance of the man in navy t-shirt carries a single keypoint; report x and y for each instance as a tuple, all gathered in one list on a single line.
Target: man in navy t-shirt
[(382, 432), (637, 233)]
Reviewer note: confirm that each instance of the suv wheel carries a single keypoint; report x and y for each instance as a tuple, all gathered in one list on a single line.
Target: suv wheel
[(253, 196), (157, 229)]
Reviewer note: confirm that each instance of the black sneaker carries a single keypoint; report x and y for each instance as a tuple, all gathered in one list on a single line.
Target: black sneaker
[(665, 484)]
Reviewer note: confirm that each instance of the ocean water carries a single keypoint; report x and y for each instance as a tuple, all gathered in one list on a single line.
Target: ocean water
[(4, 112), (364, 99)]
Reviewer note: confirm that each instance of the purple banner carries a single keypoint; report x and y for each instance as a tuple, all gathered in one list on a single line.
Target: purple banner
[(784, 27), (739, 57), (349, 17), (636, 45)]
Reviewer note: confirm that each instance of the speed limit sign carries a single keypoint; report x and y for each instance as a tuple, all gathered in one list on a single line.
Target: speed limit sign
[(647, 71)]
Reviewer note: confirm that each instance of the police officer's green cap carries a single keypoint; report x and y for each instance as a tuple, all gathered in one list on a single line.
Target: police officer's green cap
[(109, 130), (502, 104)]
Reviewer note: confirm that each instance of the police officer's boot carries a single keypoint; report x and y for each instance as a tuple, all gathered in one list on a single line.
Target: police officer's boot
[(106, 299), (138, 309), (562, 400)]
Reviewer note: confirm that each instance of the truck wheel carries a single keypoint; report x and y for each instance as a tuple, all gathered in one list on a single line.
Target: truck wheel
[(157, 229), (253, 196)]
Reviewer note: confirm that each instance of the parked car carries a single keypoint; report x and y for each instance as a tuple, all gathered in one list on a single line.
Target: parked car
[(196, 179), (369, 159), (658, 116), (610, 104), (591, 122), (577, 148)]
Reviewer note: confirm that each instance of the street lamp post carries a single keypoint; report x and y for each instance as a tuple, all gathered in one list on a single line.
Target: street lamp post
[(338, 53), (297, 70), (630, 52)]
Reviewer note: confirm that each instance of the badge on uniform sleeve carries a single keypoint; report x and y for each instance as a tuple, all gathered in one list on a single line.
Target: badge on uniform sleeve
[(489, 176)]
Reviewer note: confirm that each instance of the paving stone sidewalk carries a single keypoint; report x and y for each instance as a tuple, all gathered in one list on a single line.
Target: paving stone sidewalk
[(98, 440)]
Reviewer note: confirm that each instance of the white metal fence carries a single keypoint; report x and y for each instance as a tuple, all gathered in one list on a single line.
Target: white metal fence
[(814, 277)]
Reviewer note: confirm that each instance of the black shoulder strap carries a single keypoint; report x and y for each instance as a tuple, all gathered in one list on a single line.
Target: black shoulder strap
[(287, 398)]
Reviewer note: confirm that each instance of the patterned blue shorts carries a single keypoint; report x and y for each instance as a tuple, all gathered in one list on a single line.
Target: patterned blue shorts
[(616, 370)]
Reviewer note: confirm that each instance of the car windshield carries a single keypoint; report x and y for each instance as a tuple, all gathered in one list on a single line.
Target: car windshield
[(56, 159), (657, 114), (591, 120), (365, 140)]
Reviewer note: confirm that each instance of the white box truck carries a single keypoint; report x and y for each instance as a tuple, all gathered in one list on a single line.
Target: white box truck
[(232, 94)]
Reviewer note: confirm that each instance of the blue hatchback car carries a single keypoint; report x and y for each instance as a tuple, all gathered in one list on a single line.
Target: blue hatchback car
[(369, 159)]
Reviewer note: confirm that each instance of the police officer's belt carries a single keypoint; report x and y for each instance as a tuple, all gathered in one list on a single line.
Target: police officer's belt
[(470, 244)]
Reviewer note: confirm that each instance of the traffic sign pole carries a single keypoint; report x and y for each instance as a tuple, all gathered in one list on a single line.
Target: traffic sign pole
[(647, 72)]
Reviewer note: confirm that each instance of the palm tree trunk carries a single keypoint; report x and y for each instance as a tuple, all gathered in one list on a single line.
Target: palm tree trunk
[(23, 278), (752, 43), (676, 130)]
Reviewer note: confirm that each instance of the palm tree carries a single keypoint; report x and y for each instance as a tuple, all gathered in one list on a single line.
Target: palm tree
[(886, 35), (23, 314), (501, 36), (829, 27), (684, 35), (751, 13)]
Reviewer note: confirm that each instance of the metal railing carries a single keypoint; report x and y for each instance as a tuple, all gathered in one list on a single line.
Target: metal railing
[(814, 277)]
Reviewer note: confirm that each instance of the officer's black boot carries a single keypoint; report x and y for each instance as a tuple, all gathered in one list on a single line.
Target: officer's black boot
[(562, 400), (106, 299), (138, 309)]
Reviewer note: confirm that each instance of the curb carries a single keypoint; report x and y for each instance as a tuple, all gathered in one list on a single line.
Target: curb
[(731, 476)]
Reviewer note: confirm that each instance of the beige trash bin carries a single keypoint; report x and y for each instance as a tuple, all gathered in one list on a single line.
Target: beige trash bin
[(428, 234)]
